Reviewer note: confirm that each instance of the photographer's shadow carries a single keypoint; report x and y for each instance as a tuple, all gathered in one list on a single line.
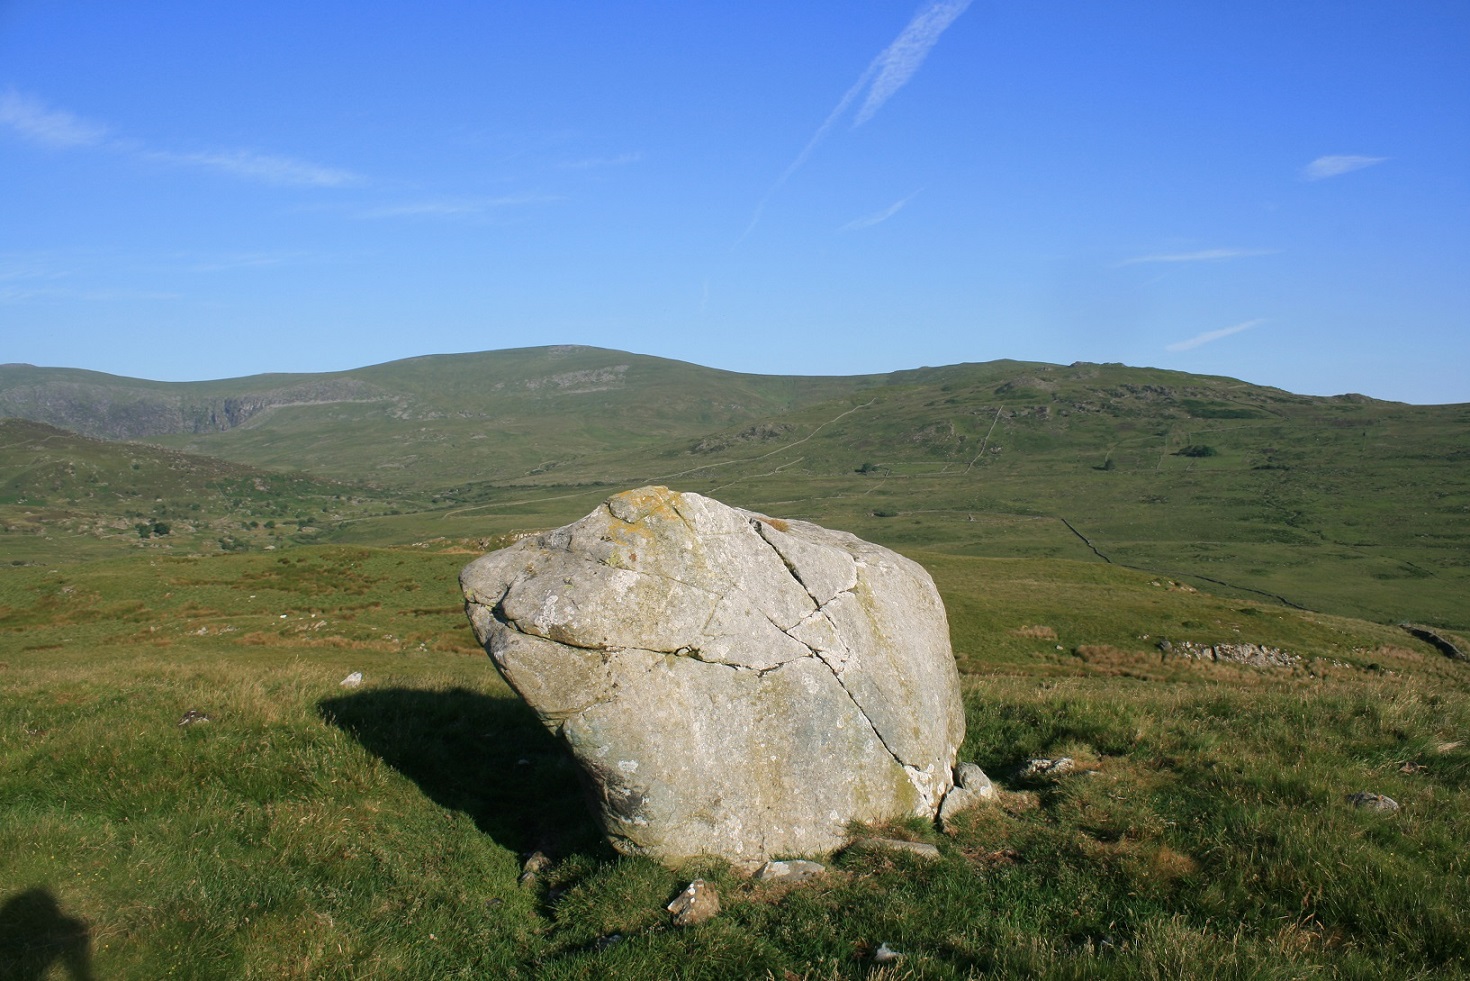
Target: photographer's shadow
[(36, 936), (486, 756)]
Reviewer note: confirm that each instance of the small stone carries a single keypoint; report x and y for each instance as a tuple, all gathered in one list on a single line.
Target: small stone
[(696, 904), (886, 955), (535, 864), (1049, 768), (919, 848), (957, 801), (972, 787), (791, 870), (192, 716), (352, 680), (973, 779), (608, 942), (1373, 802)]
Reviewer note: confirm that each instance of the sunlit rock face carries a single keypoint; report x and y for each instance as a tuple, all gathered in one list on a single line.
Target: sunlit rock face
[(731, 684)]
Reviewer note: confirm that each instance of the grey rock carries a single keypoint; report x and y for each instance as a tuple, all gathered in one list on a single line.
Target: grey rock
[(922, 849), (1373, 802), (353, 680), (972, 788), (537, 863), (886, 954), (1250, 655), (790, 870), (1048, 768), (731, 684), (696, 904), (972, 778)]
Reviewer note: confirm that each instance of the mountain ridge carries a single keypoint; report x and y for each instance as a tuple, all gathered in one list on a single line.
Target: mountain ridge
[(110, 406), (1335, 502)]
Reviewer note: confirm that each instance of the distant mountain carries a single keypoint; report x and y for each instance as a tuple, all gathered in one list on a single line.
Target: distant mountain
[(1343, 503), (111, 407), (482, 386)]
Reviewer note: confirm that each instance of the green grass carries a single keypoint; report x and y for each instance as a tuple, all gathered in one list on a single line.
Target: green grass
[(65, 497), (309, 830), (314, 831)]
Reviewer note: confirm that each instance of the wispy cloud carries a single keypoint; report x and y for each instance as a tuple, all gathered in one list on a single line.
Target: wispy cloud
[(454, 207), (877, 217), (35, 121), (1212, 335), (1203, 255), (21, 295), (597, 163), (16, 266), (884, 76), (246, 260), (264, 168), (1334, 166), (39, 123)]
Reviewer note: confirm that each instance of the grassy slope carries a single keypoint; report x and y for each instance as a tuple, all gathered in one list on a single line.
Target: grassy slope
[(65, 497), (427, 423), (1344, 504), (313, 831)]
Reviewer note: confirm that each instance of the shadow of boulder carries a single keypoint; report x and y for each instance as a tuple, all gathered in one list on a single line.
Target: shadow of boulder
[(36, 936), (488, 757)]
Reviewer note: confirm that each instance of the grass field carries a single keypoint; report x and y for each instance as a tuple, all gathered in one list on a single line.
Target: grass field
[(309, 830), (1080, 522)]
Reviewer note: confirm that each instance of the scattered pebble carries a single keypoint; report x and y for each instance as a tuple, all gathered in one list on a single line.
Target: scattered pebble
[(792, 870), (537, 863), (886, 955), (1050, 768), (607, 942), (1373, 802), (696, 904), (919, 848)]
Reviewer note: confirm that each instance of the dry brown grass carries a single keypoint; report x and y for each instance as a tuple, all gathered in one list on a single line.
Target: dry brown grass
[(1036, 632)]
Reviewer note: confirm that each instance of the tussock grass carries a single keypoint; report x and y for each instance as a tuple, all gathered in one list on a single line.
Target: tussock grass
[(313, 831)]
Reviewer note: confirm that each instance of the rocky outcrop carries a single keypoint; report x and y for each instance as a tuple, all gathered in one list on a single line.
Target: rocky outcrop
[(105, 408), (1251, 655), (731, 684), (1438, 640)]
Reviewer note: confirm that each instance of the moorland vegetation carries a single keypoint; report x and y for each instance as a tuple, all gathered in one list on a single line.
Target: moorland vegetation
[(1074, 517)]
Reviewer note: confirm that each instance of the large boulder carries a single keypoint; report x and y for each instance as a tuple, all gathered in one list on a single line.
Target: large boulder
[(731, 684)]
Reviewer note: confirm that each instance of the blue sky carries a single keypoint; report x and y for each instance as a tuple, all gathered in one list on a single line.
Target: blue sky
[(1277, 191)]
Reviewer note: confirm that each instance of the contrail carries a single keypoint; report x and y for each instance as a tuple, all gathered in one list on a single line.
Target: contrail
[(898, 62), (1211, 335), (887, 73)]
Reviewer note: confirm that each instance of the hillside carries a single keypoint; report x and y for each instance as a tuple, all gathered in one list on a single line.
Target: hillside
[(182, 768), (1344, 504), (311, 830), (66, 497), (421, 423)]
